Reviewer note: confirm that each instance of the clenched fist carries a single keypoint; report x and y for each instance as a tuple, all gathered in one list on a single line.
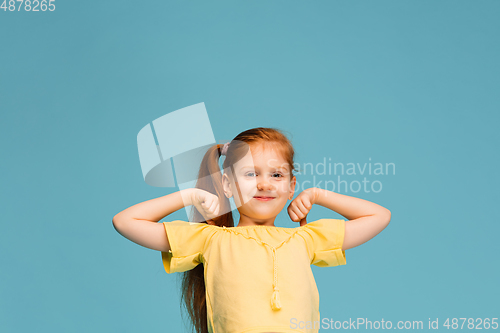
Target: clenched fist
[(207, 204), (301, 205)]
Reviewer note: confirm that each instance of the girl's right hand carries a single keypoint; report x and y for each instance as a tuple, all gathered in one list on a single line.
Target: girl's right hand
[(207, 204)]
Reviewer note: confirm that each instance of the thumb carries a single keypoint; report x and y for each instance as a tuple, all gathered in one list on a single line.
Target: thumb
[(303, 221)]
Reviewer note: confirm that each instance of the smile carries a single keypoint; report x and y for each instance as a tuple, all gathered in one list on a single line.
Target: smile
[(264, 198)]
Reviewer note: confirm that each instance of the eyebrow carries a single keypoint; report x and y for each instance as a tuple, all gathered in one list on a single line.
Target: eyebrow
[(253, 167)]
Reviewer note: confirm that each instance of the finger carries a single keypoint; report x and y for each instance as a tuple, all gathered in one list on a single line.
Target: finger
[(203, 209), (300, 215), (303, 222), (217, 209), (209, 200), (293, 217), (212, 206), (213, 213), (200, 210), (307, 203), (198, 207), (302, 208), (298, 208), (296, 213)]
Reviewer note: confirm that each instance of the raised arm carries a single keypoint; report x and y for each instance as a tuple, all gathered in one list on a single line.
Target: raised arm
[(139, 222), (366, 219)]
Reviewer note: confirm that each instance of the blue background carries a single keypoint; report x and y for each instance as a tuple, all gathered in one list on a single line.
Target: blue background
[(414, 83)]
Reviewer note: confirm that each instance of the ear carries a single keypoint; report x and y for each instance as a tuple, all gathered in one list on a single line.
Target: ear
[(293, 182), (226, 185)]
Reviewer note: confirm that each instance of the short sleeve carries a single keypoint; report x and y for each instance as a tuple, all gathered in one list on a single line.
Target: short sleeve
[(187, 242), (324, 239)]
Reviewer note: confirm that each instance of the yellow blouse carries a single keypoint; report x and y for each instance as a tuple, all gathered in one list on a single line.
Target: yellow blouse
[(257, 278)]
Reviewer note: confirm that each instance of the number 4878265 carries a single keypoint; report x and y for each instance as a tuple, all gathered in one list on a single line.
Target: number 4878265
[(29, 5)]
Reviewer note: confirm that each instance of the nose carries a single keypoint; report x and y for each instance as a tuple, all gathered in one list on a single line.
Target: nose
[(264, 185)]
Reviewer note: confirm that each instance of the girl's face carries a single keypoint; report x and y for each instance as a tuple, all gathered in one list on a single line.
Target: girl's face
[(261, 183)]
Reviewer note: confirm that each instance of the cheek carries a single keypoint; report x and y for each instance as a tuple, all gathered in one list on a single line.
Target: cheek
[(283, 186), (247, 184), (246, 188)]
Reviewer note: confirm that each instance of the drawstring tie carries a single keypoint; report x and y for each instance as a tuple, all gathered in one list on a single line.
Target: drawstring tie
[(275, 299)]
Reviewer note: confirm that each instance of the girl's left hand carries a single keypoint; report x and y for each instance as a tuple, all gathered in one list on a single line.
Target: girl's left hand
[(301, 205)]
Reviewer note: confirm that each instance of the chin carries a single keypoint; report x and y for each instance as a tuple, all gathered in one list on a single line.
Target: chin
[(265, 216)]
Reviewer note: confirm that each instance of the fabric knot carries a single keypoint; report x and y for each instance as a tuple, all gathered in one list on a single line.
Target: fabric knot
[(275, 300)]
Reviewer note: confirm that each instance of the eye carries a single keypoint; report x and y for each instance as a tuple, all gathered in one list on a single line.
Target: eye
[(250, 174), (277, 174)]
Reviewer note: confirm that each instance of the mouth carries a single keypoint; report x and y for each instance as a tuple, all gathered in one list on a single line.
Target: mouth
[(263, 198)]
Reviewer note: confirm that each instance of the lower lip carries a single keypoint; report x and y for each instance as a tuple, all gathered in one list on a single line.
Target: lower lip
[(264, 199)]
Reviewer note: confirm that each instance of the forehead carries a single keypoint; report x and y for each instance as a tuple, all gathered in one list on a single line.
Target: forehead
[(263, 156)]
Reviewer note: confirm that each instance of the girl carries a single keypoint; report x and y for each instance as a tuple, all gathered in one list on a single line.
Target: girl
[(254, 277)]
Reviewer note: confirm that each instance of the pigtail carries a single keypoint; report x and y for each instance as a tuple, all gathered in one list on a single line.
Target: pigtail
[(193, 281), (210, 179)]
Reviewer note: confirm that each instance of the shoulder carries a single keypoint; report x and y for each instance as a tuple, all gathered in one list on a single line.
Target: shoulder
[(198, 226), (322, 223), (190, 227), (323, 228), (186, 223)]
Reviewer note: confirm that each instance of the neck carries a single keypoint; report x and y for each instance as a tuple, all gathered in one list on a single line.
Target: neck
[(249, 221)]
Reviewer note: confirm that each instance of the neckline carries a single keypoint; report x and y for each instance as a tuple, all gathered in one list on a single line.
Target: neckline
[(260, 226), (256, 226), (250, 226)]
